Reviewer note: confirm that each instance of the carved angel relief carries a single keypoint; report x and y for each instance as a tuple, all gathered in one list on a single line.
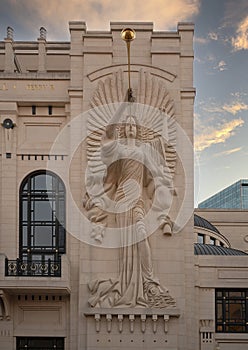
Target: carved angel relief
[(131, 162)]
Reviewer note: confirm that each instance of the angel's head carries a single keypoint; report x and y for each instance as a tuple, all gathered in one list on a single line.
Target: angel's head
[(130, 127)]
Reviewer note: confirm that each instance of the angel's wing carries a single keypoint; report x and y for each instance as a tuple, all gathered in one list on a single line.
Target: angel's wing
[(105, 103), (156, 114), (153, 109)]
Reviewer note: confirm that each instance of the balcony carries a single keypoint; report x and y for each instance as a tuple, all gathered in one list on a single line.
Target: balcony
[(34, 268), (49, 276)]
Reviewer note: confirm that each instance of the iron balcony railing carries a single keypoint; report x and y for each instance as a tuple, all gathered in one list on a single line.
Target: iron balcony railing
[(33, 268)]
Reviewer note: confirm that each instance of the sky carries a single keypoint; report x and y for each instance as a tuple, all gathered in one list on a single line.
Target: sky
[(220, 66)]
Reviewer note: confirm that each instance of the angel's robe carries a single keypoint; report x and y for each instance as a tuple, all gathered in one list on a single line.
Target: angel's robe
[(129, 178)]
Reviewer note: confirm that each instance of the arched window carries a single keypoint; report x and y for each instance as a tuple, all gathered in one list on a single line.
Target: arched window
[(42, 216)]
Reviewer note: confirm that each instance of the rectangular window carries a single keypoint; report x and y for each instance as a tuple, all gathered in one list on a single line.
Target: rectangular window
[(33, 110), (231, 310), (200, 238), (50, 110), (39, 343), (212, 241)]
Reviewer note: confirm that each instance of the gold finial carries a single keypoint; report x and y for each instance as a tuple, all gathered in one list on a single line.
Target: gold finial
[(128, 35)]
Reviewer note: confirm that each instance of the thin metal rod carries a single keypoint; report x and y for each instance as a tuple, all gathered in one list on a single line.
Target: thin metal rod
[(128, 63), (128, 35)]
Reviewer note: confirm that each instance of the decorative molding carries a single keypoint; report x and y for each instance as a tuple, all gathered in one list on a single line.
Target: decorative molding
[(5, 333), (109, 322), (131, 323), (154, 71), (154, 319), (143, 323), (39, 157), (120, 319), (188, 93), (242, 274), (97, 322), (35, 76), (171, 312), (165, 51), (4, 306), (134, 317), (206, 324), (166, 320), (206, 332), (75, 92)]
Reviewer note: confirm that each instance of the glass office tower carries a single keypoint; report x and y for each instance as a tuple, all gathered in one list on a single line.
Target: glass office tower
[(234, 196)]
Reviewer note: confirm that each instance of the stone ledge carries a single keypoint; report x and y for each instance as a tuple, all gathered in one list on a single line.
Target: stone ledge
[(97, 49), (137, 26), (36, 76)]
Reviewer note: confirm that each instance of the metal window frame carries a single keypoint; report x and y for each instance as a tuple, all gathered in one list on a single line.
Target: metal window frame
[(30, 250), (23, 343), (224, 301)]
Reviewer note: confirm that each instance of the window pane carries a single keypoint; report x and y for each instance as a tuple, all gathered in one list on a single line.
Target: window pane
[(238, 294), (236, 312), (25, 236), (43, 211), (37, 257), (50, 256), (60, 213), (42, 182), (38, 182), (235, 328), (219, 294), (200, 238), (25, 188), (212, 241), (61, 237), (219, 328), (43, 236), (219, 312), (24, 210)]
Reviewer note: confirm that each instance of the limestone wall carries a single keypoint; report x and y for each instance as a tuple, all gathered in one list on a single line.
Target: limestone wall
[(65, 76)]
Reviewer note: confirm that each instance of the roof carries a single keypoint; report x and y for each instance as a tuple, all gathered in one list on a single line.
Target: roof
[(203, 223), (209, 249)]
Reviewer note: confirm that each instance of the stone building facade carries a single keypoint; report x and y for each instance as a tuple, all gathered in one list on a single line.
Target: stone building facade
[(61, 265)]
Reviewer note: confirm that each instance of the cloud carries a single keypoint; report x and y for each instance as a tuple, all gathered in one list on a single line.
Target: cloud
[(221, 66), (240, 41), (213, 135), (55, 14), (232, 108), (235, 107), (212, 108), (211, 57), (239, 94), (213, 36), (200, 40), (229, 151)]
